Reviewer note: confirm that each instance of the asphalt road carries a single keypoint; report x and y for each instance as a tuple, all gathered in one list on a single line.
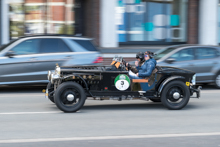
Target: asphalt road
[(28, 119)]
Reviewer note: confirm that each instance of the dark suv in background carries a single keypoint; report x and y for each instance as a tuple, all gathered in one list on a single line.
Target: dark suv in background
[(28, 59), (204, 60)]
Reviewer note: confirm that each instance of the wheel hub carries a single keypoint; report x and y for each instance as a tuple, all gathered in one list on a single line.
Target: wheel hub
[(176, 95), (70, 97)]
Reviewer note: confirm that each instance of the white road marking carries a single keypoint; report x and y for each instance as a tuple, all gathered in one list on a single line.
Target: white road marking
[(108, 137), (15, 113), (23, 94)]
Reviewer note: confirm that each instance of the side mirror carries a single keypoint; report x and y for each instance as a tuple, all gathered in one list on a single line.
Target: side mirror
[(170, 60), (10, 54)]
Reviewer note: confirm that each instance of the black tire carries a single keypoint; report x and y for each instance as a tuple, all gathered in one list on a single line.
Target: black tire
[(167, 95), (155, 100), (217, 80), (70, 89), (50, 89)]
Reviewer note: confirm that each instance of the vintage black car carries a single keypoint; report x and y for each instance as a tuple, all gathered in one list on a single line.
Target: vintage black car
[(69, 87)]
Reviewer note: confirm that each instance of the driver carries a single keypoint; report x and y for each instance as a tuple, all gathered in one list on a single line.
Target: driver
[(140, 61)]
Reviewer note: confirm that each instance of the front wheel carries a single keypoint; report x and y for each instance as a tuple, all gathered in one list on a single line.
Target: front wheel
[(50, 89), (70, 97), (175, 95)]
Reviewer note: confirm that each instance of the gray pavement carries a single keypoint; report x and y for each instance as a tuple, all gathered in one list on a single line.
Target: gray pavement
[(28, 119), (205, 141)]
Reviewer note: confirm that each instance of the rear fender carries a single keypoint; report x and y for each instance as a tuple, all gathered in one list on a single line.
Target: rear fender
[(162, 85)]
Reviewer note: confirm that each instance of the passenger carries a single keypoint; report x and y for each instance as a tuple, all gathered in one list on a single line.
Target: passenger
[(149, 65)]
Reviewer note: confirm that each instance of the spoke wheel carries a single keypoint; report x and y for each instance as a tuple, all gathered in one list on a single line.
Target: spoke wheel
[(175, 95), (70, 97)]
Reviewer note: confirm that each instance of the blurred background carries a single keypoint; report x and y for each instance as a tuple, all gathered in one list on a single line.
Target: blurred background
[(115, 24), (138, 22), (120, 27)]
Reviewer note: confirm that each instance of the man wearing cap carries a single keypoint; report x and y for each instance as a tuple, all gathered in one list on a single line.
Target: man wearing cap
[(140, 61), (149, 65)]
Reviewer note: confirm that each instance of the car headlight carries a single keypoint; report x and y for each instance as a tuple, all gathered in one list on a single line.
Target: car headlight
[(54, 76), (194, 79), (57, 70), (51, 79), (49, 75)]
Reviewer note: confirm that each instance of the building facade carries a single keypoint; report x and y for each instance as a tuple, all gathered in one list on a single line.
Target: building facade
[(164, 22), (113, 23), (29, 17)]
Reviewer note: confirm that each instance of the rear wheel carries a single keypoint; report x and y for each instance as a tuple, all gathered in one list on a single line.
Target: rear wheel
[(217, 80), (70, 97), (175, 95)]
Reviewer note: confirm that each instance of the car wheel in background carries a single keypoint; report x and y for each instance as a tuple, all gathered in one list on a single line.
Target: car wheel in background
[(50, 89), (217, 80), (175, 95), (70, 97)]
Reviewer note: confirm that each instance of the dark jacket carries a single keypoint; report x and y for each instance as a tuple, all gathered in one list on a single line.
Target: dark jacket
[(146, 69)]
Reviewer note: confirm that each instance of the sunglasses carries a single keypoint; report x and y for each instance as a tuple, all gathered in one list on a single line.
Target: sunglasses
[(145, 55)]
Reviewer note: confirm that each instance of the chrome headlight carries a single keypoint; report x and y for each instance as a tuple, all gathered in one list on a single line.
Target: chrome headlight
[(194, 79), (49, 75), (51, 78), (54, 77), (57, 70)]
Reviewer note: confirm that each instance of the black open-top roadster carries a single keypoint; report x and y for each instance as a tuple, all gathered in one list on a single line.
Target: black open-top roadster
[(69, 87)]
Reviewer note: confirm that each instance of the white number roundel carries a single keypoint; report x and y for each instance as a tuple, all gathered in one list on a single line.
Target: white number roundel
[(122, 82)]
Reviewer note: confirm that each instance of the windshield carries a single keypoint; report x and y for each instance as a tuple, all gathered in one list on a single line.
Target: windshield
[(6, 45), (161, 53)]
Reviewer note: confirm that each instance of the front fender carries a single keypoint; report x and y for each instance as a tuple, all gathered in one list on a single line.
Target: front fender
[(87, 88), (167, 81)]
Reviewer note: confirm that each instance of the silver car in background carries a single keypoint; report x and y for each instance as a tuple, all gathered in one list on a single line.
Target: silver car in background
[(28, 59), (203, 60)]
